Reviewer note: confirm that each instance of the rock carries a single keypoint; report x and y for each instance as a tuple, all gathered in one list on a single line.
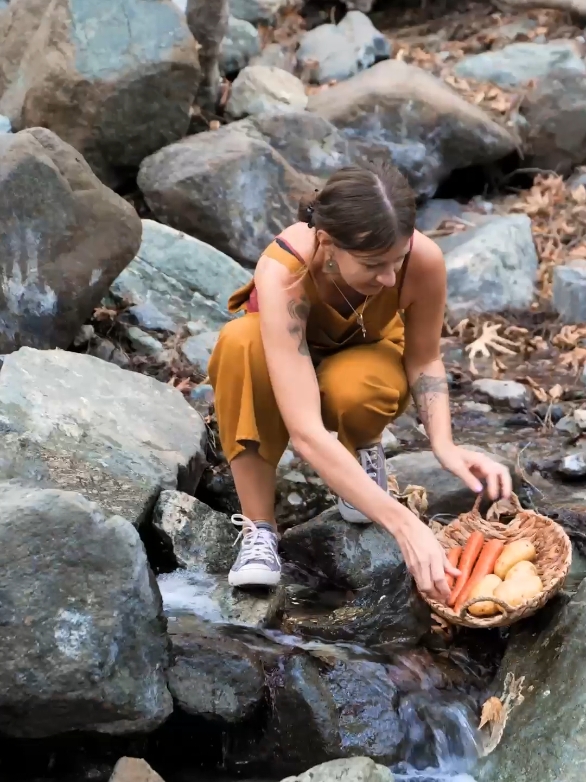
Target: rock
[(106, 350), (260, 88), (241, 43), (569, 293), (143, 342), (212, 600), (519, 63), (336, 52), (198, 349), (134, 770), (491, 268), (149, 317), (276, 56), (433, 213), (65, 238), (554, 111), (83, 639), (390, 443), (217, 185), (502, 393), (257, 11), (404, 111), (116, 79), (198, 536), (543, 738), (212, 676), (446, 494), (5, 126), (71, 421), (355, 769), (182, 277), (573, 465), (568, 425), (209, 24)]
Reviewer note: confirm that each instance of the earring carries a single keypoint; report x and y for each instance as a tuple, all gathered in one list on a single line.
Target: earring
[(331, 265)]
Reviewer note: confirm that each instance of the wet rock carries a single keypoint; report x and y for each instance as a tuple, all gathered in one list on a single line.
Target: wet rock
[(134, 770), (118, 437), (404, 111), (210, 598), (257, 11), (127, 73), (65, 238), (83, 639), (143, 342), (573, 465), (543, 738), (216, 186), (213, 676), (550, 108), (335, 52), (198, 536), (356, 769), (569, 292), (5, 126), (182, 277), (492, 267), (260, 88), (520, 63), (209, 23), (241, 43), (502, 393)]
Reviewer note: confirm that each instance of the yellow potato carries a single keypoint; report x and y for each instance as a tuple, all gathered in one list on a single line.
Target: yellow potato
[(485, 588), (521, 570), (515, 552), (519, 591)]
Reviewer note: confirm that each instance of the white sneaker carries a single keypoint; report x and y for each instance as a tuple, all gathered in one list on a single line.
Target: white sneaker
[(373, 462), (258, 562)]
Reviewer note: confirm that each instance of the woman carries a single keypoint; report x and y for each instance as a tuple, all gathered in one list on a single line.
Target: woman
[(323, 348)]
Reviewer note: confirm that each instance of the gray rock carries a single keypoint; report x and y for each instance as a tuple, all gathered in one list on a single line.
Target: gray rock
[(335, 52), (543, 738), (520, 63), (429, 130), (65, 238), (390, 443), (212, 676), (209, 24), (149, 317), (433, 213), (277, 56), (356, 769), (260, 88), (502, 393), (514, 30), (184, 278), (197, 535), (143, 342), (83, 638), (569, 293), (573, 465), (198, 349), (257, 11), (241, 43), (71, 421), (135, 769), (568, 425), (128, 68), (5, 126), (492, 267)]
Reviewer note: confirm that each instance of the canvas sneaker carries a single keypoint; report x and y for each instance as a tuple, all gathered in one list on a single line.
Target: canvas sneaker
[(258, 562), (372, 460)]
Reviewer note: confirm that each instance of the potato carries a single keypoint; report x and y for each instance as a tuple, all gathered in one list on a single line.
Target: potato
[(485, 588), (519, 591), (515, 552), (521, 570)]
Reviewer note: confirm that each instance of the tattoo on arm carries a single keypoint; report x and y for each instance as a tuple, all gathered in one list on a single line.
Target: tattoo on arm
[(298, 310), (426, 390)]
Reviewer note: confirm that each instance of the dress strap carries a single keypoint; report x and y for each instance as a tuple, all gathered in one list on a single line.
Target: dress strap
[(405, 265)]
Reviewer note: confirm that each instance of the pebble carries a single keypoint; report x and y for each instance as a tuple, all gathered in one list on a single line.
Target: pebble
[(144, 343), (390, 444), (568, 425), (476, 407), (573, 465), (503, 393), (554, 412), (85, 335)]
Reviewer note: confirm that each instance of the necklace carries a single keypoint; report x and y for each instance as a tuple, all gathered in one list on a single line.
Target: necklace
[(359, 315)]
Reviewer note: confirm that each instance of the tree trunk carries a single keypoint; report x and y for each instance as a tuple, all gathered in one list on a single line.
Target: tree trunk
[(208, 22)]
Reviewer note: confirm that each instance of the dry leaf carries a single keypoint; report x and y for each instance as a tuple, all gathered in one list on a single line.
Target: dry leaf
[(556, 393), (492, 711), (487, 341)]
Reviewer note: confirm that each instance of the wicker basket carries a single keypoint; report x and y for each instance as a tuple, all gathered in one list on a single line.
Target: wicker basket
[(554, 557)]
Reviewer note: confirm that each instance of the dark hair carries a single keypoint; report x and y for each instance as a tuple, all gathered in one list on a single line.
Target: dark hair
[(364, 208)]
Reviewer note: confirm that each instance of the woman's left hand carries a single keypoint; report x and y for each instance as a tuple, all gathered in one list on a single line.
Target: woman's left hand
[(470, 466)]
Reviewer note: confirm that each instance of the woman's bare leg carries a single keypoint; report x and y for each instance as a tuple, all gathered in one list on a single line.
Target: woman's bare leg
[(255, 481)]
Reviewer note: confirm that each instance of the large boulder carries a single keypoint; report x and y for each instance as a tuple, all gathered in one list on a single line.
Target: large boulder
[(82, 633), (179, 277), (64, 239), (492, 267), (116, 79), (75, 422), (404, 111)]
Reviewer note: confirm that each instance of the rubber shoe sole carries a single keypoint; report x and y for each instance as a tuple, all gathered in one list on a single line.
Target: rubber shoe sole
[(350, 514), (254, 576)]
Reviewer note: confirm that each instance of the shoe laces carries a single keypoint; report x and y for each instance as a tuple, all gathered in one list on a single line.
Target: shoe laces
[(372, 458), (258, 544)]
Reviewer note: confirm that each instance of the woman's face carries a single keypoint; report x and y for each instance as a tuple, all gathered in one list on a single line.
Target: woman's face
[(367, 273)]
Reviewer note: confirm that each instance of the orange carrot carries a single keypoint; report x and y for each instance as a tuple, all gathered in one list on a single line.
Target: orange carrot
[(453, 559), (484, 567), (468, 559)]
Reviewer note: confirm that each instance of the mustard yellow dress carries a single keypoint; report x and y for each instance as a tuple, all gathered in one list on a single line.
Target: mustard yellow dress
[(361, 379)]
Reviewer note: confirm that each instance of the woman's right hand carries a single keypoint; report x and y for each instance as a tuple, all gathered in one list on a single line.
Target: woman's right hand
[(424, 556)]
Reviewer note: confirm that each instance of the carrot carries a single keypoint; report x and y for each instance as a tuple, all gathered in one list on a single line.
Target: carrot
[(469, 556), (484, 567), (453, 559)]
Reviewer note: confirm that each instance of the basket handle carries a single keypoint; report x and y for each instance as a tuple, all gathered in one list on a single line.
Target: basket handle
[(500, 603)]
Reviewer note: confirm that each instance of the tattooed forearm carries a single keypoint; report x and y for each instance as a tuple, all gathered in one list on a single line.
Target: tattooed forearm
[(298, 310), (426, 390)]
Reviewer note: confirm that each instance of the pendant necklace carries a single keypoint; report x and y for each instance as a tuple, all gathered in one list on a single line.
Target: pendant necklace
[(359, 315)]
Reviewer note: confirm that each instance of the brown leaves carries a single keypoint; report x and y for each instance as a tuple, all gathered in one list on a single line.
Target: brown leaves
[(414, 497), (489, 340)]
